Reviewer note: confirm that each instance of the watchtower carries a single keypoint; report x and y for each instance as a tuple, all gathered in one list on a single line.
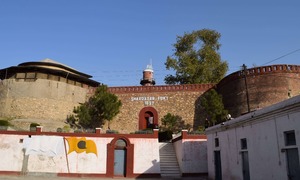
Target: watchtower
[(148, 79)]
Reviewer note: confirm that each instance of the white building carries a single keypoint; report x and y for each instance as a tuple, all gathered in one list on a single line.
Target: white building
[(263, 144)]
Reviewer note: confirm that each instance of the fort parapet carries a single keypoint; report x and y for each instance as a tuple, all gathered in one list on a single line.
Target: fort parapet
[(266, 85), (165, 88)]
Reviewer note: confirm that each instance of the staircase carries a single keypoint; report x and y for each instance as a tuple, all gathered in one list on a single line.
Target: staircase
[(168, 161)]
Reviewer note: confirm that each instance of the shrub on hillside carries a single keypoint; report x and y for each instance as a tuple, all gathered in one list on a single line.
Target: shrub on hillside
[(33, 126), (4, 124)]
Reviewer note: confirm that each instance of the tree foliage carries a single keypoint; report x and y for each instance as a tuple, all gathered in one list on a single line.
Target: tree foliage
[(173, 123), (196, 59), (102, 106), (214, 108)]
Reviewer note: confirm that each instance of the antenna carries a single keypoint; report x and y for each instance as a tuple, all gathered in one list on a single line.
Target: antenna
[(149, 66)]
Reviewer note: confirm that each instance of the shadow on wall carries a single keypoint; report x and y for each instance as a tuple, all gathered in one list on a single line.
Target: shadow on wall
[(199, 116)]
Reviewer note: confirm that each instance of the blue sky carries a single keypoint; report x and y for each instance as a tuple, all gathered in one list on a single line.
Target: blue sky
[(114, 40)]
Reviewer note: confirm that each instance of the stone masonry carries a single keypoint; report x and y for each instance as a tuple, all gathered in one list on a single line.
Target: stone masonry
[(181, 100)]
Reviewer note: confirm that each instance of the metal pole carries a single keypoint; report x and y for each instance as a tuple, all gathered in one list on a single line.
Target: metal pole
[(247, 94)]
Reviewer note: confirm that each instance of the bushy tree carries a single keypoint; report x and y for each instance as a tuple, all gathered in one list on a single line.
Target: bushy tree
[(213, 105), (196, 59), (102, 106), (173, 123)]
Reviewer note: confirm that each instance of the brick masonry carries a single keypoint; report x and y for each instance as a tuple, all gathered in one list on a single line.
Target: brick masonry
[(266, 85)]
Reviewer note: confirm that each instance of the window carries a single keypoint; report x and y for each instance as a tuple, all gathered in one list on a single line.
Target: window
[(30, 75), (216, 142), (20, 75), (244, 143), (289, 137)]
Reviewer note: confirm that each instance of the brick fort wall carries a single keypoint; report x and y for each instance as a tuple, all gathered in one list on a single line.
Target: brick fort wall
[(266, 85)]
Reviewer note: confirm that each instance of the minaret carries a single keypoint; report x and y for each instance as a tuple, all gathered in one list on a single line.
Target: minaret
[(148, 76)]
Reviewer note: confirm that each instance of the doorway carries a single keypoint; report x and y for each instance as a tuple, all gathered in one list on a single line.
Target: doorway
[(148, 118), (120, 158), (292, 156), (218, 167), (245, 165), (293, 166)]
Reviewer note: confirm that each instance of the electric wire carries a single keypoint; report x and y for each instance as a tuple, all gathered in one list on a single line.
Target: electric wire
[(292, 52)]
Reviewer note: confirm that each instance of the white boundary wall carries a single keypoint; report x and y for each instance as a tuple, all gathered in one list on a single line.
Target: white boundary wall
[(41, 159), (191, 153)]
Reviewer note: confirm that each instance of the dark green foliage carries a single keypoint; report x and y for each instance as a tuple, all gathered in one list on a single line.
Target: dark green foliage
[(105, 104), (196, 59), (165, 136), (199, 130), (173, 123), (112, 131), (213, 105), (33, 125), (4, 123), (84, 115), (144, 131), (101, 107)]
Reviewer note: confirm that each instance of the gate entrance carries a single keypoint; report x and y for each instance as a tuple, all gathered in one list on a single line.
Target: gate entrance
[(120, 158)]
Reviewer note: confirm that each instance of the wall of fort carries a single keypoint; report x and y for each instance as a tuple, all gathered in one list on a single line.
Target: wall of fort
[(181, 100), (39, 95), (54, 99), (266, 85), (40, 98)]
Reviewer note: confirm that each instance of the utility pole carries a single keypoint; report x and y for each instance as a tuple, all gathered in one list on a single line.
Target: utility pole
[(245, 78)]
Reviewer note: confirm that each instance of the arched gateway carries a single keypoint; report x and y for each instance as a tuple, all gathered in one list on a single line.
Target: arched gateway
[(120, 157), (148, 118)]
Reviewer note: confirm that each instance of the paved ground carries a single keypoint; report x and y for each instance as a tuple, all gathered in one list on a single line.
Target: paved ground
[(71, 178)]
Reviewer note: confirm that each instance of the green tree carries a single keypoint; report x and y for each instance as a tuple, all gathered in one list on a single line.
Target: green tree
[(196, 59), (213, 105), (173, 123), (102, 106)]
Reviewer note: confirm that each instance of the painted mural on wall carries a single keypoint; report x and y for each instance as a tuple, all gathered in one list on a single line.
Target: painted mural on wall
[(81, 145), (57, 145)]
